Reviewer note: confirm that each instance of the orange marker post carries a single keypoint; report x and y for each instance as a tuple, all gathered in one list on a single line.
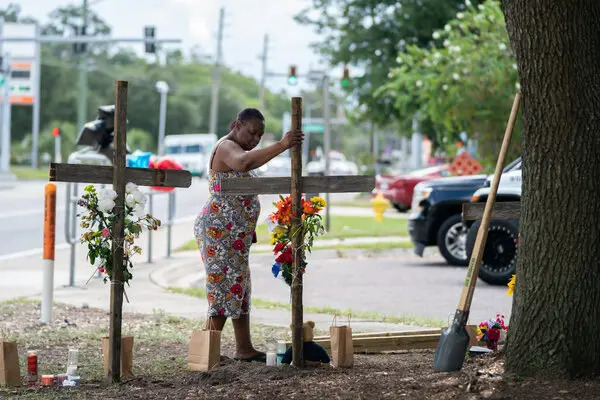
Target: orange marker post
[(49, 235)]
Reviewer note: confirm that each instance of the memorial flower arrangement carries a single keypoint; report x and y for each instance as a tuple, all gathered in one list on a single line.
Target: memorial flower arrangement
[(98, 220), (280, 224), (489, 331)]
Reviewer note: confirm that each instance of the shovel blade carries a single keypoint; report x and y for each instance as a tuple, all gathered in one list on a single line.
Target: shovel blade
[(451, 349)]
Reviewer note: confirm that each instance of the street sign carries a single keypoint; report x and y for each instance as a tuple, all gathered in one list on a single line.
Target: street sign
[(22, 54), (313, 127)]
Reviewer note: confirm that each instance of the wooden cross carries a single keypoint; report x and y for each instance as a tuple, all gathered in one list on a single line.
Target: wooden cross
[(296, 185), (118, 175)]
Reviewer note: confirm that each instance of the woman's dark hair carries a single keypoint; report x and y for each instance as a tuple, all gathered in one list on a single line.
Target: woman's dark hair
[(247, 114)]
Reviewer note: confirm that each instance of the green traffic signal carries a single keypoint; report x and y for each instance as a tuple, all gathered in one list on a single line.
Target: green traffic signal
[(345, 82), (292, 77)]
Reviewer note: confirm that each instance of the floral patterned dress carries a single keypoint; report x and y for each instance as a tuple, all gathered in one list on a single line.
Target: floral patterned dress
[(224, 231)]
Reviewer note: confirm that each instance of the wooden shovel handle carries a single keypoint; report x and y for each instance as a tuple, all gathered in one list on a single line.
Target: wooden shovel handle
[(473, 271)]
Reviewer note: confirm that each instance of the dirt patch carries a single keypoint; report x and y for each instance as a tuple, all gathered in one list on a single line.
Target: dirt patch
[(160, 367)]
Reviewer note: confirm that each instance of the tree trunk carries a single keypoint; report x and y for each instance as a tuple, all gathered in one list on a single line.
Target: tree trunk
[(556, 308)]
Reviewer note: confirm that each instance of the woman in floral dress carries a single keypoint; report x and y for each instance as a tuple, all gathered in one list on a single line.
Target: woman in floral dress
[(225, 228)]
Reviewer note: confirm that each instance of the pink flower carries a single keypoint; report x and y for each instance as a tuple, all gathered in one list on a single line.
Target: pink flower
[(229, 226), (101, 270), (105, 232), (204, 211), (217, 188)]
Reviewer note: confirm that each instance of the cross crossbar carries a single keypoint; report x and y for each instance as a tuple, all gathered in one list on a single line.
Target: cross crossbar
[(104, 174), (310, 184), (502, 210)]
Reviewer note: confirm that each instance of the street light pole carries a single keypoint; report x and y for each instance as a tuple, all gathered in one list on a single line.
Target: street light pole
[(214, 103), (264, 72), (83, 67), (5, 126), (326, 142), (163, 89)]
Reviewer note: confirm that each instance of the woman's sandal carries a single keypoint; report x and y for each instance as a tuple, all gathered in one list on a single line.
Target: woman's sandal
[(260, 357)]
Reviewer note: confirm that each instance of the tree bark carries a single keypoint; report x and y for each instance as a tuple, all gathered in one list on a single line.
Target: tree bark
[(556, 305)]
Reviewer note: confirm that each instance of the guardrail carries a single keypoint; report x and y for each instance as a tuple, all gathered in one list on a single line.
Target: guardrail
[(168, 223)]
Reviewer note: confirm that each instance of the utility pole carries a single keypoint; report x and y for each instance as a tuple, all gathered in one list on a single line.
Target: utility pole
[(35, 123), (214, 103), (326, 141), (83, 67), (5, 127), (263, 77)]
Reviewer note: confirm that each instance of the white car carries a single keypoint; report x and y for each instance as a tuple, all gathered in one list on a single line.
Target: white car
[(279, 166), (338, 165), (192, 151)]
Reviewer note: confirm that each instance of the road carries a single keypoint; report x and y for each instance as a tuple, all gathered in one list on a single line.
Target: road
[(22, 213)]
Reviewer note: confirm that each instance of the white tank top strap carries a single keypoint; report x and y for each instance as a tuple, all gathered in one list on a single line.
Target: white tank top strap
[(214, 151)]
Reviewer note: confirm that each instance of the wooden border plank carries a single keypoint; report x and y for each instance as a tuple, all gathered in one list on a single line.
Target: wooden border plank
[(502, 210), (83, 173), (310, 184)]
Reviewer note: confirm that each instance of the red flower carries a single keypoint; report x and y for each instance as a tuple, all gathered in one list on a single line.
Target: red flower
[(229, 226), (242, 235), (247, 202), (225, 270), (239, 279), (222, 311), (285, 257), (236, 289), (278, 247), (244, 306), (239, 245)]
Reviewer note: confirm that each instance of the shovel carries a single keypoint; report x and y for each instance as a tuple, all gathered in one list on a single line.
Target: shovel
[(452, 347)]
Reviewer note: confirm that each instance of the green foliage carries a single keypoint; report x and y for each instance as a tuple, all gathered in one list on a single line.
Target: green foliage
[(466, 82), (140, 139), (368, 34), (188, 104)]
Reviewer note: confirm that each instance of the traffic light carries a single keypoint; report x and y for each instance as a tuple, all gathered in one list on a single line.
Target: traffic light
[(346, 77), (150, 47), (292, 77), (79, 48), (56, 132)]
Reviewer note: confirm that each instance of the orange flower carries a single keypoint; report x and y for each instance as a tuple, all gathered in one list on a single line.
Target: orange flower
[(215, 278), (214, 207), (214, 232), (308, 207), (211, 297), (210, 251)]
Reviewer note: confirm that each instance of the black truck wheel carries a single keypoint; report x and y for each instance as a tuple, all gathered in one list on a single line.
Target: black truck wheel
[(500, 255), (451, 240)]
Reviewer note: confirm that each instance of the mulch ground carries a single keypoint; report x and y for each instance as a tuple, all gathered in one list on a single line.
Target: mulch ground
[(160, 366)]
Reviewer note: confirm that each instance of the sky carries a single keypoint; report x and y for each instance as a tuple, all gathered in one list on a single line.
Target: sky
[(195, 22)]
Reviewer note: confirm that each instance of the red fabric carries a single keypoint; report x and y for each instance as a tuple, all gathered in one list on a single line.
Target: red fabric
[(164, 163)]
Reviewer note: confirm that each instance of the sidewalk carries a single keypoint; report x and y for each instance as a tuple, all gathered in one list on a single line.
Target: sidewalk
[(146, 296)]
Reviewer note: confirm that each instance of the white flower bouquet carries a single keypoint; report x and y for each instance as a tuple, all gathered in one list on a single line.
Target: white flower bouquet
[(98, 221)]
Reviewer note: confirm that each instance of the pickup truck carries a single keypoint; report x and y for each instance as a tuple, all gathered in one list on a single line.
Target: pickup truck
[(500, 254)]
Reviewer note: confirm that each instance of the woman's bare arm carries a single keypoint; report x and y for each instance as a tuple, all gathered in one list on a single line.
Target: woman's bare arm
[(231, 155)]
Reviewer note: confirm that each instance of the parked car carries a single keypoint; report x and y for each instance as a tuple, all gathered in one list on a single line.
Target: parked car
[(436, 219), (398, 189), (499, 260), (338, 165), (278, 166)]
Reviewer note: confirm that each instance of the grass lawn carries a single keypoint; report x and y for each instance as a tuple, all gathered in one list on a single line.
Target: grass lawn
[(345, 227), (349, 227), (25, 173)]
